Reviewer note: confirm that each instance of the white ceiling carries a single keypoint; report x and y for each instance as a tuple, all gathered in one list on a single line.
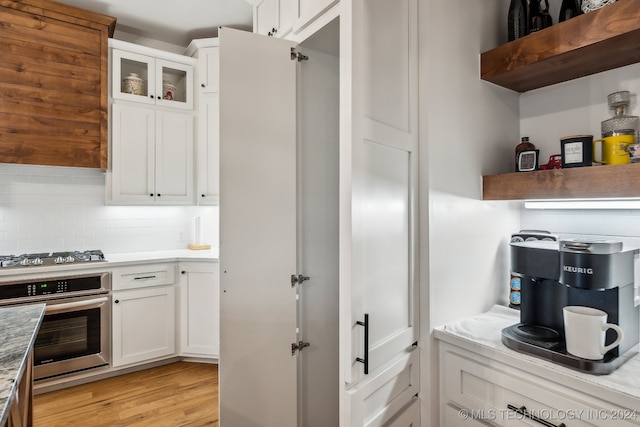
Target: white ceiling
[(172, 21)]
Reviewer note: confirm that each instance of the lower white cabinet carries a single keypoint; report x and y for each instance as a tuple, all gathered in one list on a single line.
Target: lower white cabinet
[(389, 398), (143, 317), (199, 316), (478, 390)]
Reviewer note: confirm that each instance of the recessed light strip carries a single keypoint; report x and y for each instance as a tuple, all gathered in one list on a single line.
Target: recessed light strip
[(602, 204)]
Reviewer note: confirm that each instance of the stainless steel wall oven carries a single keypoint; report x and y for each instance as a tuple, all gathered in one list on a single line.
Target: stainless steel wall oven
[(76, 330)]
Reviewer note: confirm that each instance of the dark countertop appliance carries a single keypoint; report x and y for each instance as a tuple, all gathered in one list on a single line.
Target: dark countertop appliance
[(596, 273)]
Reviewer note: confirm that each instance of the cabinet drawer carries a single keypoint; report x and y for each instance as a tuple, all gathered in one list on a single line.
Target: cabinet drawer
[(144, 275), (488, 392)]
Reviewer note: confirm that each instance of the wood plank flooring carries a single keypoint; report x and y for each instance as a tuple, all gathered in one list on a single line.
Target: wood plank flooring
[(178, 394)]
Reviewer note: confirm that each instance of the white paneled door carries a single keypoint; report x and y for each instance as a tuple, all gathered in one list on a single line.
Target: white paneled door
[(378, 210)]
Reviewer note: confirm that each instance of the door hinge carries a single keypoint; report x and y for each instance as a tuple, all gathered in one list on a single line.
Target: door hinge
[(298, 279), (297, 55), (298, 346)]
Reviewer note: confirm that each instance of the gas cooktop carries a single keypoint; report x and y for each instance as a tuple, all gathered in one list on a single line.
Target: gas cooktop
[(50, 258)]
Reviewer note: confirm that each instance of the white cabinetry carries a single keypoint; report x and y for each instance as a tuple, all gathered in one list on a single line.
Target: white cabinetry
[(274, 17), (143, 314), (477, 390), (308, 11), (144, 78), (199, 309), (151, 126), (152, 156), (208, 120)]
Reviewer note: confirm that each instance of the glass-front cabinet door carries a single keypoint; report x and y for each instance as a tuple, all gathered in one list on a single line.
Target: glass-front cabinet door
[(145, 79), (174, 83)]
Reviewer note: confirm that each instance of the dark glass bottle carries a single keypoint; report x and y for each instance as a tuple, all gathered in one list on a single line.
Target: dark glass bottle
[(538, 18), (569, 9), (518, 22)]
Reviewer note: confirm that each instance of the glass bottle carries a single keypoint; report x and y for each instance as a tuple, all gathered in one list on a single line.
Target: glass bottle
[(518, 22), (569, 9), (538, 18)]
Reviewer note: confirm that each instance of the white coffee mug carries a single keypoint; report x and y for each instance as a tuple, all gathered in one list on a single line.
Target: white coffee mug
[(585, 330)]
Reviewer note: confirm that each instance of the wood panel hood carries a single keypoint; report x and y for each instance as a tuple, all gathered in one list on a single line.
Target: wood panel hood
[(53, 84)]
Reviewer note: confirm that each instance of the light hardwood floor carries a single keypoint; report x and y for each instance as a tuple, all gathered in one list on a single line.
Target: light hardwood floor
[(178, 394)]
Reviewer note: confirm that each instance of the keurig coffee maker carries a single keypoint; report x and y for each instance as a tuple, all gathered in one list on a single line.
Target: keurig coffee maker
[(592, 273)]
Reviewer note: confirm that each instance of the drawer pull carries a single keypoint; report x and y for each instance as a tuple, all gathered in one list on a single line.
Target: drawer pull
[(523, 411), (365, 359), (145, 277)]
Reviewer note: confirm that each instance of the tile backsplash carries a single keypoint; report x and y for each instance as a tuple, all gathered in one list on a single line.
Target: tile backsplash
[(46, 208)]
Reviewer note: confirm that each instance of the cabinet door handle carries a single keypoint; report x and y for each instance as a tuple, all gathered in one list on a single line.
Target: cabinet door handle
[(365, 359), (523, 411), (203, 85), (144, 277), (117, 301)]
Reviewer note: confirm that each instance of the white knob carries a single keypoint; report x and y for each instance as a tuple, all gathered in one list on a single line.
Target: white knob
[(37, 261), (59, 260)]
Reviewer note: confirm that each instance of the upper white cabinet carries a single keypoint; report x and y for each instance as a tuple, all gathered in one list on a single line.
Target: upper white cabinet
[(151, 126), (308, 10), (144, 78), (274, 17), (152, 156), (208, 119)]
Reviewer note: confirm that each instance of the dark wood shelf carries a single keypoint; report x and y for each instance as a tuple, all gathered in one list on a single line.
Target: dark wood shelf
[(585, 182), (597, 41)]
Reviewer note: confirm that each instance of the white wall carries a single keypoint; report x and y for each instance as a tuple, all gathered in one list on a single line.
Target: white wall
[(571, 108), (468, 128), (60, 209)]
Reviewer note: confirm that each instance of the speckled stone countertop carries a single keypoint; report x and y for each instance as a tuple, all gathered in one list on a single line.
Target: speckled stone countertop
[(18, 329)]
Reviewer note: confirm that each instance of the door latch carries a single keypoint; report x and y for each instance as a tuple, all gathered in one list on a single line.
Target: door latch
[(298, 347), (298, 278)]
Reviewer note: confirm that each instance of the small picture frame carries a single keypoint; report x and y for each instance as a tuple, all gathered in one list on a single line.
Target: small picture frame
[(528, 161), (576, 150)]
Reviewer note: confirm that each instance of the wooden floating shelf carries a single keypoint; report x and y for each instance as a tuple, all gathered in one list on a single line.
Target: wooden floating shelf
[(616, 181), (597, 41)]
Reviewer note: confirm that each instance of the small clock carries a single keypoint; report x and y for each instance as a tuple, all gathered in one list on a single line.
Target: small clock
[(527, 160)]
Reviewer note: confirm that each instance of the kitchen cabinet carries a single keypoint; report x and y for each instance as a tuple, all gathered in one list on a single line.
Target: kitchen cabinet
[(150, 80), (143, 325), (347, 226), (54, 84), (152, 156), (597, 41), (208, 120), (144, 314), (477, 390), (274, 17), (199, 309), (308, 10)]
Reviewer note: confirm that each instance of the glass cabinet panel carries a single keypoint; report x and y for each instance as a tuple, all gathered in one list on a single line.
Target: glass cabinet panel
[(175, 83), (149, 80), (133, 77)]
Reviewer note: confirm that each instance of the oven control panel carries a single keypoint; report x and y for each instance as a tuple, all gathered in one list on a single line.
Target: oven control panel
[(50, 287)]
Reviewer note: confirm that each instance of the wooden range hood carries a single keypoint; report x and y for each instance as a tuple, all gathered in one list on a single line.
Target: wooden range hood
[(53, 84)]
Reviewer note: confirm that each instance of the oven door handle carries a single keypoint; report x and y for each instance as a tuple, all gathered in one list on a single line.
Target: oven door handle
[(91, 303)]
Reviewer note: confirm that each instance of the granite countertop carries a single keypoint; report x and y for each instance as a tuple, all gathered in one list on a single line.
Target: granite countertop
[(483, 333), (18, 329)]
